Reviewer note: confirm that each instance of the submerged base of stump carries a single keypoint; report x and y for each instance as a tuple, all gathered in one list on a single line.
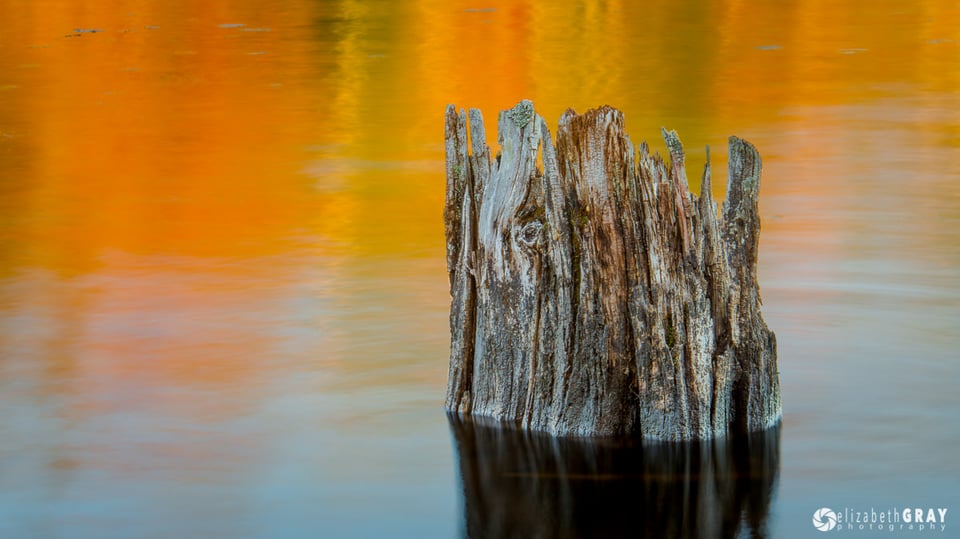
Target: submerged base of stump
[(526, 484), (592, 293)]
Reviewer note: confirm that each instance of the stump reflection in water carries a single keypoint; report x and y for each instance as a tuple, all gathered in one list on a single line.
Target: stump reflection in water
[(524, 484)]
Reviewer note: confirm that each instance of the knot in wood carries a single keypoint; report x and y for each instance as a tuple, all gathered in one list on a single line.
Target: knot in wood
[(529, 235)]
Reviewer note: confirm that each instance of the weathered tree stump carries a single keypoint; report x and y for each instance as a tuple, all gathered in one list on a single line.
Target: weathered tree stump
[(592, 293)]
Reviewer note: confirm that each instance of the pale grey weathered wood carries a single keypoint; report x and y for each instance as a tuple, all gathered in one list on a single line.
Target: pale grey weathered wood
[(592, 293)]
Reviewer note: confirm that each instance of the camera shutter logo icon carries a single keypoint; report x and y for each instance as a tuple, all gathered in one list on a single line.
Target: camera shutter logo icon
[(824, 519)]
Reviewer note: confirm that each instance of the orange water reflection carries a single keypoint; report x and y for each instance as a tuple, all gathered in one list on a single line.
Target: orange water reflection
[(176, 130)]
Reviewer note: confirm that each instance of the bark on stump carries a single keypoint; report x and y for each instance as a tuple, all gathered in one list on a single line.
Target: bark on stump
[(592, 293)]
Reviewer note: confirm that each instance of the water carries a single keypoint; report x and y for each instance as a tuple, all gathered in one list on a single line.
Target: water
[(531, 485), (222, 286)]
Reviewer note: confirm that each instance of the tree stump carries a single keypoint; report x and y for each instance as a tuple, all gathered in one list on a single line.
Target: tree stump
[(592, 293)]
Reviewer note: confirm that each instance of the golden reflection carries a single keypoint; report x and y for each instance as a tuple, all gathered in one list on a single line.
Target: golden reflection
[(154, 136), (214, 130)]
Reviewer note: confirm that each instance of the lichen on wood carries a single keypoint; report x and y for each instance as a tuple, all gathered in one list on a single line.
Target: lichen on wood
[(593, 293)]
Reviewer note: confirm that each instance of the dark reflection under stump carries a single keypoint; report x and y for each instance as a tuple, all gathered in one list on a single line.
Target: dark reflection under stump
[(521, 484)]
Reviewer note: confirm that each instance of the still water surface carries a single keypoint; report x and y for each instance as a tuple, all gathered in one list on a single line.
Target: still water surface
[(222, 289)]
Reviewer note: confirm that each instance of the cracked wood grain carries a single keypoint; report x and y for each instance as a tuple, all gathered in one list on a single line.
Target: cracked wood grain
[(593, 293)]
